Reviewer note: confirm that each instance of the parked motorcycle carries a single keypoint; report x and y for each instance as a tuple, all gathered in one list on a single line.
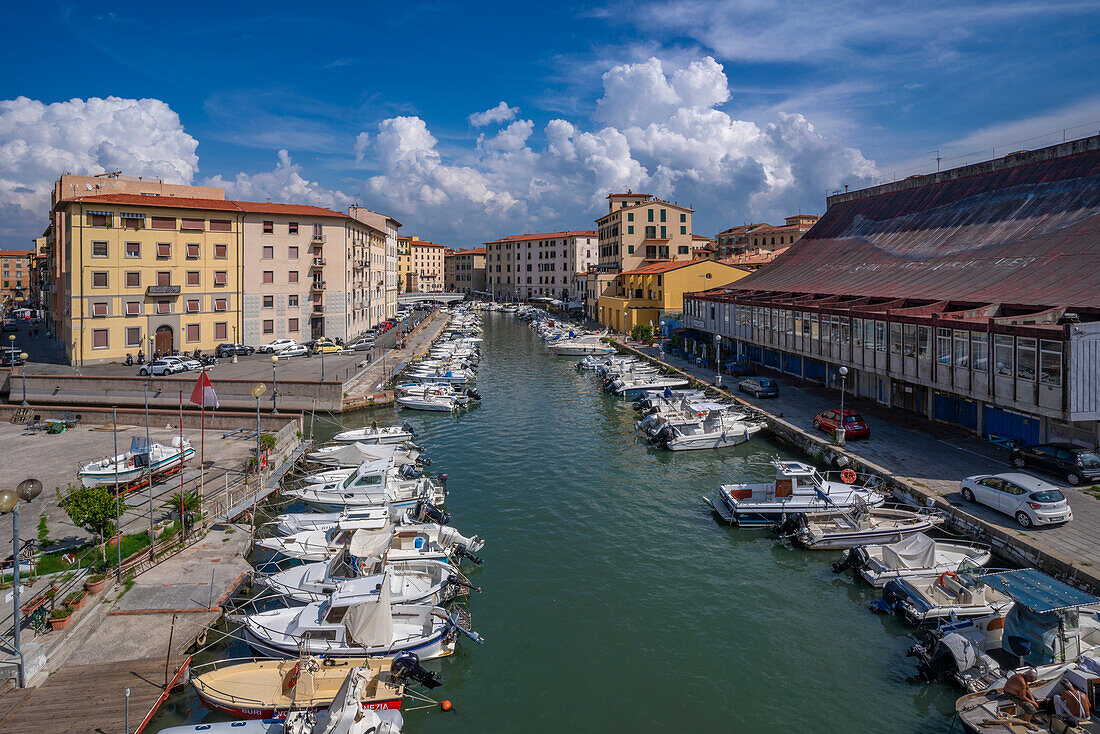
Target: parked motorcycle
[(140, 358), (129, 360)]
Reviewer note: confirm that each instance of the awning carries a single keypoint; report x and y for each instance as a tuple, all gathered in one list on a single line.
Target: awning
[(105, 214), (131, 215), (1037, 591)]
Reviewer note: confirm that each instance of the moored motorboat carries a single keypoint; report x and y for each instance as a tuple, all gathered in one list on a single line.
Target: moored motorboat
[(433, 401), (857, 525), (916, 555), (377, 435), (930, 599)]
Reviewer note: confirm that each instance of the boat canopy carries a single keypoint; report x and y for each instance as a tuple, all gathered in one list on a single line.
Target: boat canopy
[(370, 623), (915, 551), (369, 546), (1037, 591), (359, 452)]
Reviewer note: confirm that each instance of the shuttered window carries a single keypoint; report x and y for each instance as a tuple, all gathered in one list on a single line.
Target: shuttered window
[(133, 279), (221, 304), (221, 277), (133, 308), (164, 249), (99, 338), (99, 279), (164, 277), (193, 250), (221, 329), (163, 223), (292, 276), (192, 305), (99, 309), (190, 223), (292, 324), (133, 336), (164, 307), (133, 249), (192, 277), (221, 225), (221, 251), (269, 326), (192, 332)]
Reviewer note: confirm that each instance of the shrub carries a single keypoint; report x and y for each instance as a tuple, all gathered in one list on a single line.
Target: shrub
[(642, 333), (75, 597), (267, 441), (92, 508), (61, 613)]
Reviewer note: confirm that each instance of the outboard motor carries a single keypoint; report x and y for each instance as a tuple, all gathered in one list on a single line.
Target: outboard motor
[(855, 557), (409, 471), (407, 427), (427, 512), (406, 667), (792, 525)]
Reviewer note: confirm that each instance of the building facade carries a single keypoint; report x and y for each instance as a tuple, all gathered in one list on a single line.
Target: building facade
[(404, 263), (15, 269), (748, 238), (383, 262), (544, 265), (639, 228), (657, 289), (426, 275), (469, 271), (969, 296)]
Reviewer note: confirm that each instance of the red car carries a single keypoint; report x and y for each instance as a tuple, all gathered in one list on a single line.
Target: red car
[(854, 425)]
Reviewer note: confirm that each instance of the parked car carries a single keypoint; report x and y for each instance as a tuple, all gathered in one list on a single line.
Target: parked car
[(1075, 463), (186, 363), (362, 344), (228, 349), (1028, 499), (277, 346), (9, 358), (160, 367), (9, 325), (325, 346), (294, 350), (854, 425), (761, 387)]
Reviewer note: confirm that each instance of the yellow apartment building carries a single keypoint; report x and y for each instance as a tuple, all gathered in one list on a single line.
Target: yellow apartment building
[(427, 266), (404, 262), (15, 266), (139, 272), (657, 288), (639, 228)]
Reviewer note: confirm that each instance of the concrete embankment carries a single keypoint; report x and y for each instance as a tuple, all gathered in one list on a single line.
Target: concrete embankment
[(1009, 543)]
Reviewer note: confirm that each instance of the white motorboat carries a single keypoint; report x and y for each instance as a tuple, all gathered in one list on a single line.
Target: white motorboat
[(353, 625), (411, 582), (931, 599), (402, 541), (717, 429), (451, 376), (140, 461), (857, 525), (631, 386), (355, 709), (296, 522), (351, 493), (354, 455), (798, 487), (433, 402), (916, 555), (377, 435), (580, 346)]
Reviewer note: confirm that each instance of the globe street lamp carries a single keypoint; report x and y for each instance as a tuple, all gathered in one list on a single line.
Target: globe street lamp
[(23, 372), (274, 384), (840, 429), (257, 390), (11, 344), (27, 490), (718, 346)]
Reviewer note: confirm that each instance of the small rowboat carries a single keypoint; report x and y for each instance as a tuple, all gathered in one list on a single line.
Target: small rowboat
[(255, 688)]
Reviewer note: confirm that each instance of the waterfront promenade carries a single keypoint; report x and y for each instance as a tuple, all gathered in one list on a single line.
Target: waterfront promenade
[(932, 457)]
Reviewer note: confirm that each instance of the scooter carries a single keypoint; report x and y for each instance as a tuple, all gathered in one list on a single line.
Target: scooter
[(129, 360), (140, 358)]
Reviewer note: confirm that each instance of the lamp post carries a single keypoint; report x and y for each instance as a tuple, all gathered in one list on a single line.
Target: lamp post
[(23, 373), (27, 490), (257, 390), (11, 346), (322, 362), (275, 384), (718, 348), (118, 502), (840, 429)]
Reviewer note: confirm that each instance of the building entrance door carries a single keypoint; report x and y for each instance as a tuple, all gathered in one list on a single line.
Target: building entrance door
[(163, 340)]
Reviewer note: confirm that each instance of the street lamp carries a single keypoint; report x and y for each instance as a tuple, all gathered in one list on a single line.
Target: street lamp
[(274, 384), (718, 347), (11, 344), (322, 362), (27, 490), (840, 429), (257, 390), (23, 372)]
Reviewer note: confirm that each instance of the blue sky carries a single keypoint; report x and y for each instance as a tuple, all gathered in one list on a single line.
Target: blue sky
[(746, 110)]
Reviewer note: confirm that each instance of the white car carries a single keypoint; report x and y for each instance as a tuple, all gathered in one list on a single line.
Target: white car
[(185, 363), (277, 346), (294, 350), (1028, 499), (160, 367)]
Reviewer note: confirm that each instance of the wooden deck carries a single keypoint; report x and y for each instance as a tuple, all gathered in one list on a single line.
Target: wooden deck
[(78, 699)]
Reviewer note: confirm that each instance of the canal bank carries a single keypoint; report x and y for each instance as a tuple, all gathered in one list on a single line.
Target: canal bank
[(613, 601), (925, 470)]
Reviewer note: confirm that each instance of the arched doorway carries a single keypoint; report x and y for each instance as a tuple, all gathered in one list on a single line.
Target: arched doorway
[(163, 341)]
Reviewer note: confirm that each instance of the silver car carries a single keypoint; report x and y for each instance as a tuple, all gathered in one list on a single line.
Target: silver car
[(1028, 499)]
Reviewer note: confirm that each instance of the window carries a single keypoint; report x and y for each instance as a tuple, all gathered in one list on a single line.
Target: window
[(221, 304), (221, 330), (815, 325), (97, 220), (292, 301), (268, 252), (292, 228), (192, 305), (1050, 362), (880, 336), (221, 277), (164, 249), (962, 347), (292, 276), (221, 225), (269, 326), (292, 324), (99, 339), (630, 229), (895, 338), (1025, 359), (221, 252), (630, 216), (164, 277), (99, 279), (269, 276), (133, 279), (269, 302), (133, 336), (683, 217), (650, 213), (164, 307), (192, 250), (163, 223), (99, 249), (196, 224), (979, 351), (630, 249), (868, 334), (683, 230), (193, 277), (292, 252), (845, 330), (133, 308), (133, 249), (663, 215), (924, 342), (663, 235), (857, 332), (192, 332), (1002, 355), (909, 340), (99, 309), (269, 227), (943, 346)]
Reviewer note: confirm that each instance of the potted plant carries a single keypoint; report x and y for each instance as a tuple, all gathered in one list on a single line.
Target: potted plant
[(76, 599), (95, 583), (59, 618)]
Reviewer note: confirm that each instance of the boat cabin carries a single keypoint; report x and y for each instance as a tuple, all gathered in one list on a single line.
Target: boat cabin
[(369, 474)]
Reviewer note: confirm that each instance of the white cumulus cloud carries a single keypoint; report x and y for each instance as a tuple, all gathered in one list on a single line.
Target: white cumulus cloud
[(284, 184), (501, 113)]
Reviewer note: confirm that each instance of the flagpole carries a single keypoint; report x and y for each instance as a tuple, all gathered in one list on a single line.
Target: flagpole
[(183, 525), (202, 456), (149, 473)]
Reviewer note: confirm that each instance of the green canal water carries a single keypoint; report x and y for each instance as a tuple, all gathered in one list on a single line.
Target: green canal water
[(613, 601)]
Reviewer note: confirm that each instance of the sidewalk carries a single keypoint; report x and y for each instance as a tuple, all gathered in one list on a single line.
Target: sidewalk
[(371, 380), (931, 455)]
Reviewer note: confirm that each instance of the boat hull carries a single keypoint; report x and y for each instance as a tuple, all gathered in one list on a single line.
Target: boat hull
[(93, 478), (712, 441)]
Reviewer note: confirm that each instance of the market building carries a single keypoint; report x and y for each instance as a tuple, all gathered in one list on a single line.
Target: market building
[(969, 296)]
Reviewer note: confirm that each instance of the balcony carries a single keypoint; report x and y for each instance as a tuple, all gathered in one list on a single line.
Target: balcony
[(162, 290), (317, 286), (318, 308), (318, 238), (318, 262)]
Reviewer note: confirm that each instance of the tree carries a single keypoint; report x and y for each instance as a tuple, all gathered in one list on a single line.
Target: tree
[(642, 333), (92, 508)]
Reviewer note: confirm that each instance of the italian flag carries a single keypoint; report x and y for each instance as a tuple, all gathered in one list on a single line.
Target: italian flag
[(204, 394)]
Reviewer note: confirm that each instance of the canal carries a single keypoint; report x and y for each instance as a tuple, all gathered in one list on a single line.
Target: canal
[(614, 601)]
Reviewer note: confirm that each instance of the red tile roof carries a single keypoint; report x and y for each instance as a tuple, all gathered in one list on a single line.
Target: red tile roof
[(16, 253), (667, 265), (425, 243), (546, 236), (170, 202), (260, 207), (471, 251)]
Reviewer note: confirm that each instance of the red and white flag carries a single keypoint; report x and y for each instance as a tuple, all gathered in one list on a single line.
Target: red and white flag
[(204, 394)]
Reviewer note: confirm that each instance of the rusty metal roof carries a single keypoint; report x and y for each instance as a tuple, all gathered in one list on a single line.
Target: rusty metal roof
[(1026, 234)]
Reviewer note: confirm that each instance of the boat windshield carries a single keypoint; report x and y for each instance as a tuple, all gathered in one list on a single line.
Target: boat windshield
[(968, 567)]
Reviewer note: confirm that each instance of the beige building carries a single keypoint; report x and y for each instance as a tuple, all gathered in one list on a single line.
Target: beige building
[(500, 260), (638, 229), (384, 262), (545, 265), (15, 266), (466, 271), (749, 238), (426, 273)]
